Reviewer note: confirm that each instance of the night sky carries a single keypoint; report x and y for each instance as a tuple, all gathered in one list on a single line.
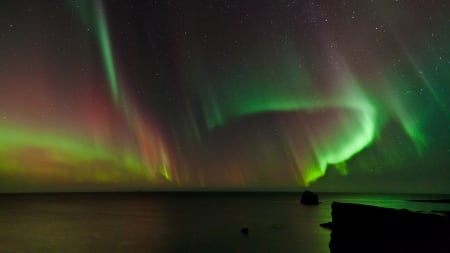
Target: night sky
[(228, 94)]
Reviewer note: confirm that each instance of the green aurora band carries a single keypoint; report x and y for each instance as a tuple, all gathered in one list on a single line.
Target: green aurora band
[(353, 133), (266, 102), (66, 155)]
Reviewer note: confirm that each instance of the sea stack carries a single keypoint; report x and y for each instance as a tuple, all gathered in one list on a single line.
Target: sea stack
[(309, 198)]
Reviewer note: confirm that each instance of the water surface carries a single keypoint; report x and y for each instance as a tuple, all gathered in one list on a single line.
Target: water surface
[(176, 222)]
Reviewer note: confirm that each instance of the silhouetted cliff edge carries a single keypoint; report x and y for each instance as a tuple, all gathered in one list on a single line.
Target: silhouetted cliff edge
[(364, 228)]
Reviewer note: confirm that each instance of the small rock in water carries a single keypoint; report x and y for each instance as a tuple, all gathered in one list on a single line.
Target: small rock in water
[(309, 198)]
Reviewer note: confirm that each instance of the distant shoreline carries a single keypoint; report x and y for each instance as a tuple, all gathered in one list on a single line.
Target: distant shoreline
[(250, 190), (431, 200), (413, 197)]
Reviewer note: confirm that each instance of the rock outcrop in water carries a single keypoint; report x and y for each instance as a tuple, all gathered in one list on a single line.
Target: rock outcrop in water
[(309, 198), (364, 228)]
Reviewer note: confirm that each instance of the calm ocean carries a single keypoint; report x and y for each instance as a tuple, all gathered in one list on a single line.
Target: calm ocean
[(176, 222)]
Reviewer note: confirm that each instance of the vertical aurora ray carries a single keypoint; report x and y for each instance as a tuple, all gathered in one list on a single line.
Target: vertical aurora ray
[(423, 74), (92, 13), (410, 124), (151, 146), (108, 60)]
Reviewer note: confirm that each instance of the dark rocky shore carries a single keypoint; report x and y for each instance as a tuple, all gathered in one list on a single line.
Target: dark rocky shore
[(364, 228)]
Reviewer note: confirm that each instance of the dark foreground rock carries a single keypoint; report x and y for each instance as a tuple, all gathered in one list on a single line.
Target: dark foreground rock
[(363, 228), (309, 198)]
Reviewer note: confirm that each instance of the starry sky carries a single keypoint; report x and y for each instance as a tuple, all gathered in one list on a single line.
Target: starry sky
[(348, 95)]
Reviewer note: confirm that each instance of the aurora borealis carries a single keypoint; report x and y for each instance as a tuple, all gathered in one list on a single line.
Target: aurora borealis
[(139, 95)]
